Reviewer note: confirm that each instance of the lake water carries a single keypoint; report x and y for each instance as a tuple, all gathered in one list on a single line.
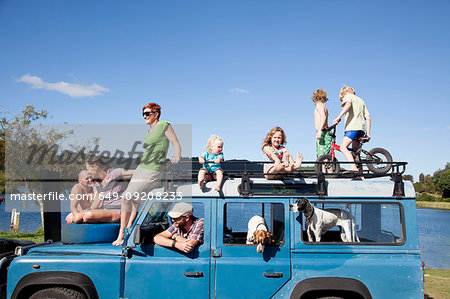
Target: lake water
[(434, 237), (434, 233)]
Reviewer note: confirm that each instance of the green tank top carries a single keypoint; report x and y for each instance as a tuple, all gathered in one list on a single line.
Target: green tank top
[(156, 146)]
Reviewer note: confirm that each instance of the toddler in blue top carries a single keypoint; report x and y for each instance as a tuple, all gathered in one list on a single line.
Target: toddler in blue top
[(211, 162)]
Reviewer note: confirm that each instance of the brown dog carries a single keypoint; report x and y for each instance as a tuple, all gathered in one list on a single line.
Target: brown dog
[(261, 239), (257, 233)]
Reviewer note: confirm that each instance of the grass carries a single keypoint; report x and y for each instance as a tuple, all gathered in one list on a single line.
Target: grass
[(437, 284), (433, 205), (37, 236)]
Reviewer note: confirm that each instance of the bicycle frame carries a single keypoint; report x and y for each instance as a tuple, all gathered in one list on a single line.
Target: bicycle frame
[(354, 151)]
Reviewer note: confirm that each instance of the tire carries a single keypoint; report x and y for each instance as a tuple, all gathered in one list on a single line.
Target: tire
[(333, 165), (375, 162), (58, 293)]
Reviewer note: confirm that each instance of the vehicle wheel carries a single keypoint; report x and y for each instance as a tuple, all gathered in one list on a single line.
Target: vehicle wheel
[(376, 159), (325, 164), (58, 293)]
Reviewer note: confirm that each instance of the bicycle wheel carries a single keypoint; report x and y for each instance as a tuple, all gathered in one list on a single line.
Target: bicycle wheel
[(326, 164), (376, 159)]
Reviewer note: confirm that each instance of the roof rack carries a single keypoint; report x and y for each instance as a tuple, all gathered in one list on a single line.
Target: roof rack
[(187, 171), (254, 169)]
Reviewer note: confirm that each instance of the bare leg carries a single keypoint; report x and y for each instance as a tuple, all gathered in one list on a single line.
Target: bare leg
[(348, 155), (288, 161), (276, 172), (219, 176), (127, 216), (298, 161), (201, 178), (101, 216), (355, 144), (124, 217)]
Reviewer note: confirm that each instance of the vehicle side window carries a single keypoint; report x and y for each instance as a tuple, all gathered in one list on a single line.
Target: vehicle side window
[(360, 223), (237, 216), (157, 219)]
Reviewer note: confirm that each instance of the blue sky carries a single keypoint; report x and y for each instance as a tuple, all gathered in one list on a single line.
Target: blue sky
[(236, 68)]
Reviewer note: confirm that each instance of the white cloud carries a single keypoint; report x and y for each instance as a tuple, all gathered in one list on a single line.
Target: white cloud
[(238, 90), (73, 90)]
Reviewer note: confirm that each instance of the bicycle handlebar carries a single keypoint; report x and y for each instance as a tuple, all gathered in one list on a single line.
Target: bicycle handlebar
[(329, 128)]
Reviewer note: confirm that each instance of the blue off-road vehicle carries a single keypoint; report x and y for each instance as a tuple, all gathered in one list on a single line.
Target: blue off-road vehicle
[(380, 260)]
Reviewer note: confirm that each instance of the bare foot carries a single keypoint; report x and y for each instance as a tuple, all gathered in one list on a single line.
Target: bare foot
[(298, 161), (118, 242), (69, 218), (289, 168), (217, 188)]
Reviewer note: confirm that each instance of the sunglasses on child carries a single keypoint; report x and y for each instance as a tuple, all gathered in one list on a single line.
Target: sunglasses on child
[(147, 113)]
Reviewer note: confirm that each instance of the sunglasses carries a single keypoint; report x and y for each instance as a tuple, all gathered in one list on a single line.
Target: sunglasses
[(147, 113), (176, 219)]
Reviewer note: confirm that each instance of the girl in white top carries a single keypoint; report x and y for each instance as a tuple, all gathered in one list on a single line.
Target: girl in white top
[(274, 151)]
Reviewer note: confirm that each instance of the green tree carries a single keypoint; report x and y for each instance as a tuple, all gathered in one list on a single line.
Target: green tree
[(421, 178), (29, 149), (429, 184), (443, 183), (15, 134), (24, 119), (18, 136), (419, 187)]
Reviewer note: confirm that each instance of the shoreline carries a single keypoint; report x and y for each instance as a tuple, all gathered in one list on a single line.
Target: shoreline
[(433, 205)]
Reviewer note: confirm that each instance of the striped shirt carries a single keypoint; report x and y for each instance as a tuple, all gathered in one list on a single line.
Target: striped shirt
[(195, 232)]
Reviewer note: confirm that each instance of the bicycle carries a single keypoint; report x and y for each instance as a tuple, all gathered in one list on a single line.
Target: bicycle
[(375, 159)]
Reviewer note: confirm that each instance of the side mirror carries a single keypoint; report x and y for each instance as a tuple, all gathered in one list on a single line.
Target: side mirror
[(137, 234)]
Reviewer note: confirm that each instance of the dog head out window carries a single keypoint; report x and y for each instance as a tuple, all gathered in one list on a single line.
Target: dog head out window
[(240, 217), (358, 223)]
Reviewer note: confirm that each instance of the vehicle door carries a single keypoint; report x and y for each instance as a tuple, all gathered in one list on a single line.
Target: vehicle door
[(242, 272), (156, 271)]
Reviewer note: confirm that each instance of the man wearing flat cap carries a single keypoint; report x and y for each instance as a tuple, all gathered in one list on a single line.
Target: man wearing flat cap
[(186, 231)]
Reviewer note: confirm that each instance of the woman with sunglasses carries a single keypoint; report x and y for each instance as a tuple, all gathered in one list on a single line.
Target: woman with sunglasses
[(148, 174)]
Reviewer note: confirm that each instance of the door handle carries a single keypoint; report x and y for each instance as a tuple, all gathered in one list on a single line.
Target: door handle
[(193, 274), (273, 275)]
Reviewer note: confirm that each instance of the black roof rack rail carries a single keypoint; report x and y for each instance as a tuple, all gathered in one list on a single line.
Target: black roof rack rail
[(321, 187), (254, 169), (187, 171), (399, 186)]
